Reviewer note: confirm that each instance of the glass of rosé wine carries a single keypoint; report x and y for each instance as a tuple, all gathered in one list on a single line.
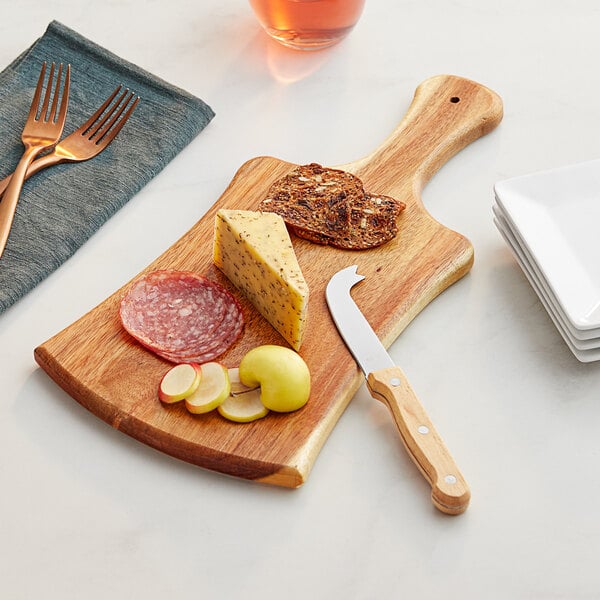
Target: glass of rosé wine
[(308, 24)]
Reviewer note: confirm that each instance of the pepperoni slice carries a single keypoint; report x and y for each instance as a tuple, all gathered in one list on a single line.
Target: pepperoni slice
[(181, 316)]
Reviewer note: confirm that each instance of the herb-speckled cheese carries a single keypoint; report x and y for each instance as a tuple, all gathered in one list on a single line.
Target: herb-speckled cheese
[(254, 251)]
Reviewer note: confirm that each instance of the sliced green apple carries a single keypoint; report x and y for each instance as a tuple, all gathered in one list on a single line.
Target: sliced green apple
[(179, 382), (237, 387), (212, 390), (282, 374), (244, 407)]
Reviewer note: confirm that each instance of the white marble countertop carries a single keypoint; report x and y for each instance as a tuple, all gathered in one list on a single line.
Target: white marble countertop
[(88, 512)]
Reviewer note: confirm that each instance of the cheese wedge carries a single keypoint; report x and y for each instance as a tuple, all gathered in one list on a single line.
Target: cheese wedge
[(254, 251)]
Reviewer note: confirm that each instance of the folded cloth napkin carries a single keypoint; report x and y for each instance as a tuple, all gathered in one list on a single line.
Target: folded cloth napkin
[(62, 206)]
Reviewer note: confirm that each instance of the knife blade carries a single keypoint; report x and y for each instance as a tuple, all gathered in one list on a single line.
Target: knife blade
[(387, 382)]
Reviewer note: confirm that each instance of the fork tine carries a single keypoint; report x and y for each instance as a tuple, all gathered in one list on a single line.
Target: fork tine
[(38, 93), (64, 99), (83, 129), (110, 130), (44, 109), (111, 133), (55, 97), (92, 131), (109, 125)]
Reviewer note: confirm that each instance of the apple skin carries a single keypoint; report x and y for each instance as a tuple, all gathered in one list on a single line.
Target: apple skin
[(181, 380), (282, 374), (213, 389)]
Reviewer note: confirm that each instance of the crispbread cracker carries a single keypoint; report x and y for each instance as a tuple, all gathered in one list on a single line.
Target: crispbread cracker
[(330, 207)]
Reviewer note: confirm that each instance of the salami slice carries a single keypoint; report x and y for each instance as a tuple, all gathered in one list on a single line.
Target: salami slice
[(181, 316), (231, 327)]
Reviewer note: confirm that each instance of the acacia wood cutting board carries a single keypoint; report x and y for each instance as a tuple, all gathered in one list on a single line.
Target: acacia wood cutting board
[(109, 373)]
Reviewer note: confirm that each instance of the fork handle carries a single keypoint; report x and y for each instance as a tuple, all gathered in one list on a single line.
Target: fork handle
[(41, 162), (13, 191)]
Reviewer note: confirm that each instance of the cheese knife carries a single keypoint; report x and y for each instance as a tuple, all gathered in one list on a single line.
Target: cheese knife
[(387, 383)]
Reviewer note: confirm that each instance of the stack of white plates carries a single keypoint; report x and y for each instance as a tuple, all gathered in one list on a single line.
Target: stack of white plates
[(550, 221)]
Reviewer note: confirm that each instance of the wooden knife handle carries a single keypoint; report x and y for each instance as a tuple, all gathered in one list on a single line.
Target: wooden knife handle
[(449, 490)]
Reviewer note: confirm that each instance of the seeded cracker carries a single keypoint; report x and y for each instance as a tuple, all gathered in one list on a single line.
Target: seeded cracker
[(330, 207)]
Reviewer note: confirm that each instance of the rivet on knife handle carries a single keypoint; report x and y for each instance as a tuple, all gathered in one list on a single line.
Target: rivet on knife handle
[(449, 490)]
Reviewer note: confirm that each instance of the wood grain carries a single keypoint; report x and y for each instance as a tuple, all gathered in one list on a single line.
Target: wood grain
[(105, 370), (449, 490)]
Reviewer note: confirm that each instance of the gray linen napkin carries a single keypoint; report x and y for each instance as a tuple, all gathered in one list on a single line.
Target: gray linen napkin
[(62, 206)]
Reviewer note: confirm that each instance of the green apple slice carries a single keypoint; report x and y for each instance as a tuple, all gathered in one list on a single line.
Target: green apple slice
[(213, 389), (179, 382), (282, 374), (237, 387), (244, 407)]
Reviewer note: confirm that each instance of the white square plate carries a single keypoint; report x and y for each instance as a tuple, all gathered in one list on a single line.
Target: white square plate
[(557, 214), (527, 261), (587, 350)]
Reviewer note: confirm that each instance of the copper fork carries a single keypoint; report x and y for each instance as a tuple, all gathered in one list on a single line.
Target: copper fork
[(91, 138), (42, 130)]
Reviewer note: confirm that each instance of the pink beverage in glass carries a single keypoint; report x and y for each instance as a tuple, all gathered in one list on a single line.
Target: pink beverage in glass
[(308, 24)]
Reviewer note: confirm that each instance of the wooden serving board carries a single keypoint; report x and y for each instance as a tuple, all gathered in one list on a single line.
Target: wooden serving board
[(105, 370)]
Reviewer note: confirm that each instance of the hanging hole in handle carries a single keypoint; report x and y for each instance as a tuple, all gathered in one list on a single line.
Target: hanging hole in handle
[(455, 99)]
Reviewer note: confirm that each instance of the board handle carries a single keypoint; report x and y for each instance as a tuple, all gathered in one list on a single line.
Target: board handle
[(447, 113), (449, 490)]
